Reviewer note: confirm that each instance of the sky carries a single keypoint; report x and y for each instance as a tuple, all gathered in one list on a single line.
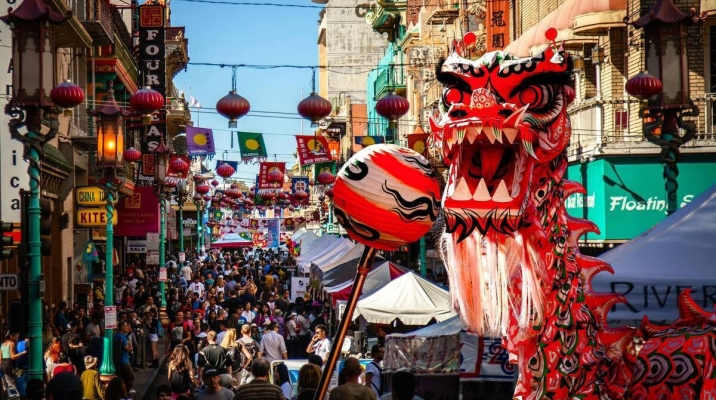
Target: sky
[(231, 34)]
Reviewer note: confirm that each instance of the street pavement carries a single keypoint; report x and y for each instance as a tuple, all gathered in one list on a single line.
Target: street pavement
[(144, 377)]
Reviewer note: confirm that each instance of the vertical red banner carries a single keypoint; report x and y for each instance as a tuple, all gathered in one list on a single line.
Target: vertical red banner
[(498, 24)]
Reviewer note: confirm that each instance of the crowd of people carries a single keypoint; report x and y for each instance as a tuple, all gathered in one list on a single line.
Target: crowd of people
[(230, 317)]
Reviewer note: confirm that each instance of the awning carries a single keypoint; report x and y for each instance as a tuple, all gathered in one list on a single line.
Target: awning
[(574, 20)]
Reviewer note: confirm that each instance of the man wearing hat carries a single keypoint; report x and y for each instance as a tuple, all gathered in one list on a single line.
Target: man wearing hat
[(91, 388), (212, 389)]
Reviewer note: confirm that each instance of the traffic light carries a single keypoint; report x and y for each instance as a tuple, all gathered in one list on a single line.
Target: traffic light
[(45, 227), (5, 241)]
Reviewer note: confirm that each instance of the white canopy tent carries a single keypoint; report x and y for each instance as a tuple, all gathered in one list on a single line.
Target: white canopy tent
[(316, 248), (377, 278), (410, 298), (298, 233), (651, 270), (307, 240), (318, 271), (447, 348), (328, 253), (230, 241)]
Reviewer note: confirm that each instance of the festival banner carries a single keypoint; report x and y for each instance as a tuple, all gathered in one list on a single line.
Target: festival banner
[(288, 223), (318, 168), (274, 233), (497, 26), (253, 224), (266, 167), (368, 140), (138, 213), (251, 145), (334, 149), (300, 183), (418, 142), (200, 141), (312, 149)]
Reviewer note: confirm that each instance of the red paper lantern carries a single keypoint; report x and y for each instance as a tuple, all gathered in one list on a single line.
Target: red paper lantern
[(314, 108), (300, 195), (643, 86), (202, 188), (392, 107), (146, 101), (275, 175), (233, 106), (225, 170), (67, 95), (329, 192), (326, 178), (282, 196), (207, 197), (234, 193), (394, 203), (179, 166), (132, 155), (214, 183), (268, 195), (197, 197)]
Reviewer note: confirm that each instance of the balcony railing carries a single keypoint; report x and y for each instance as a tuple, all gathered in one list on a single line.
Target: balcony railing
[(390, 78), (433, 92), (96, 18)]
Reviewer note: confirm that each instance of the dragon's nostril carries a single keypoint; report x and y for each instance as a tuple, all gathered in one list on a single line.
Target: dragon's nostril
[(458, 113)]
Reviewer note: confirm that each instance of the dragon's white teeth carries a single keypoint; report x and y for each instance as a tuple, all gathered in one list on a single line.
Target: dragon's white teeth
[(472, 132), (481, 193), (510, 134), (487, 130), (462, 191), (460, 134), (498, 133), (501, 194), (529, 149)]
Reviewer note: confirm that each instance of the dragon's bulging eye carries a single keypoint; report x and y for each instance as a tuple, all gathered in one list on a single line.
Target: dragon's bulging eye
[(537, 96), (453, 95)]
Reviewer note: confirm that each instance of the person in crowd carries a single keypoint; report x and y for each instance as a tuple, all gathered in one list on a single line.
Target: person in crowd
[(283, 380), (404, 386), (212, 389), (125, 347), (273, 346), (60, 320), (308, 378), (352, 389), (179, 333), (374, 370), (9, 354), (51, 355), (91, 386), (212, 356), (235, 356), (315, 359), (64, 386), (320, 344), (163, 392), (304, 333), (260, 388), (151, 326), (180, 371), (253, 348)]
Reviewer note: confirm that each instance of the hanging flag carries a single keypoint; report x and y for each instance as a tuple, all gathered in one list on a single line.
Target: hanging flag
[(334, 149), (194, 102), (418, 142), (318, 168), (288, 223), (368, 140), (300, 183), (200, 141), (312, 149), (252, 146), (264, 168), (274, 233), (253, 224)]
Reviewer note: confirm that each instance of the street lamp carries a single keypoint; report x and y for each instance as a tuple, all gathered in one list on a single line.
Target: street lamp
[(110, 149), (161, 158), (33, 74)]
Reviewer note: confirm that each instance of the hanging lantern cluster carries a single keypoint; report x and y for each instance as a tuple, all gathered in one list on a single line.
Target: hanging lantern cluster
[(202, 188), (145, 102), (329, 192), (643, 86), (392, 107), (179, 166), (225, 170), (67, 95)]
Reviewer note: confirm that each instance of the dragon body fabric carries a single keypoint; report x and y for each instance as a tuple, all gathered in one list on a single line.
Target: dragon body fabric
[(511, 248)]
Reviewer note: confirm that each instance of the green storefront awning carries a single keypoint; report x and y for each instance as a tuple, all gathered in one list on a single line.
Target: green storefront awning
[(626, 196)]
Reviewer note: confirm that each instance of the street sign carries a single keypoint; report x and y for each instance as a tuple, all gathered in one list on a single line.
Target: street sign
[(9, 282), (137, 246), (90, 196), (162, 274), (152, 257), (110, 317), (153, 242), (94, 217)]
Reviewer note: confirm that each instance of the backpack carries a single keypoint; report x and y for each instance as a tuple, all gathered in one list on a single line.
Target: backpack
[(253, 349), (160, 329), (234, 359)]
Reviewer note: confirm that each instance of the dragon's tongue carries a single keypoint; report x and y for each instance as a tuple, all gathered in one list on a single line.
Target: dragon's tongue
[(491, 157)]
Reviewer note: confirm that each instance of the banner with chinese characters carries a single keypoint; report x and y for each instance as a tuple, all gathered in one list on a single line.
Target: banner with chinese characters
[(251, 145), (264, 169), (368, 140), (274, 233), (300, 183), (418, 142), (497, 24), (312, 149), (200, 141)]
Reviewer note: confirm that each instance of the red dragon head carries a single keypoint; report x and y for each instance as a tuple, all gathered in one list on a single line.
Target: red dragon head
[(503, 115), (504, 120)]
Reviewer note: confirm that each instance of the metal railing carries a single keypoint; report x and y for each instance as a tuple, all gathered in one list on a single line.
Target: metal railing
[(96, 17), (390, 77)]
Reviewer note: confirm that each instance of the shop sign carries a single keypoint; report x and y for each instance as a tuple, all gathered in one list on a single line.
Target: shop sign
[(625, 196), (90, 196), (94, 217)]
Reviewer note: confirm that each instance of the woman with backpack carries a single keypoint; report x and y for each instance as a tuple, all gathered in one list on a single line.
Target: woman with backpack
[(236, 354), (181, 372)]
